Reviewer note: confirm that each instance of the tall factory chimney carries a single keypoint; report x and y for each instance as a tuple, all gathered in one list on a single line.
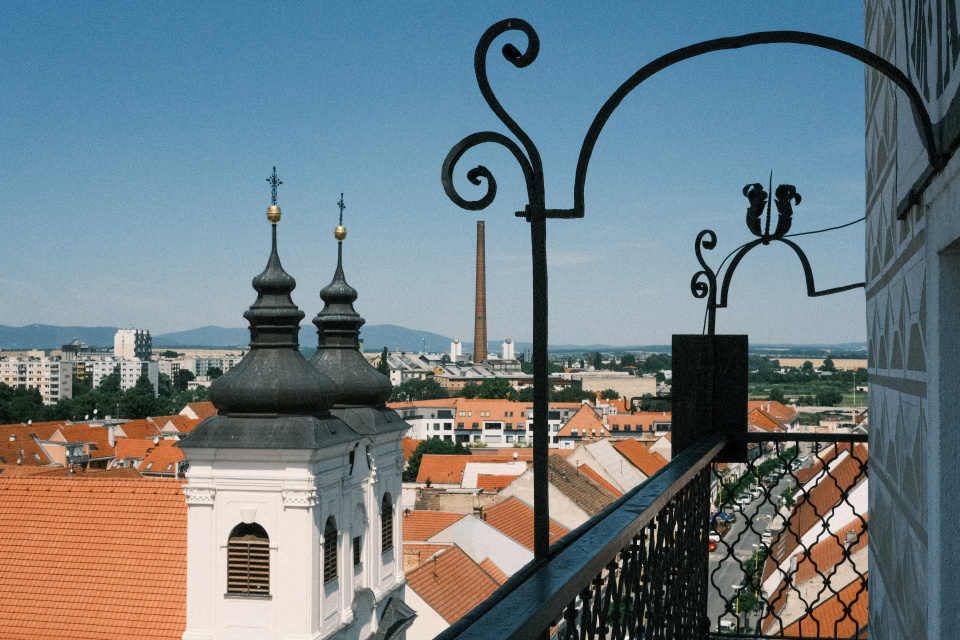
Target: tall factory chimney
[(480, 322)]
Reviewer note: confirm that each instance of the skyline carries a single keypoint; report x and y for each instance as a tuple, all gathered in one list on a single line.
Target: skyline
[(139, 139)]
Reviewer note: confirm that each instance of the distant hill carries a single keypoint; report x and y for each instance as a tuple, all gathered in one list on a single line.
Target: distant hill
[(209, 336), (375, 337), (45, 336)]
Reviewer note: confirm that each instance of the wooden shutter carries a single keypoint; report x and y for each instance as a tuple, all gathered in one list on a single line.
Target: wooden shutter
[(386, 522), (330, 551), (248, 565)]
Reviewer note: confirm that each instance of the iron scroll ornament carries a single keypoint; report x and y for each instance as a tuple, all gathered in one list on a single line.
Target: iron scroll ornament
[(704, 282), (529, 156)]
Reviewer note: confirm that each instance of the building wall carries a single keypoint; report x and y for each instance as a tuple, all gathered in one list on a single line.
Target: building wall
[(50, 376), (913, 313)]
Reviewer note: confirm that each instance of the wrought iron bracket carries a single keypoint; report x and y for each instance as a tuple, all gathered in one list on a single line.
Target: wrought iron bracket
[(704, 282)]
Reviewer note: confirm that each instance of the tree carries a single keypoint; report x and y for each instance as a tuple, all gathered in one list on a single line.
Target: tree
[(169, 354), (164, 385), (609, 394), (776, 394), (428, 389), (496, 389), (469, 390), (628, 360), (651, 403), (182, 378), (214, 372), (829, 398), (807, 367), (571, 394), (433, 446), (597, 360), (384, 365), (828, 365), (138, 402)]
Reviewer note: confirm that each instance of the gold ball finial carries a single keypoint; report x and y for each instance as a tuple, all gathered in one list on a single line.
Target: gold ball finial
[(273, 213), (340, 233)]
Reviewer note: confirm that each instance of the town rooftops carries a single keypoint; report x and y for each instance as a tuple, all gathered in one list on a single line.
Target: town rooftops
[(514, 518), (199, 410), (579, 487), (639, 456), (596, 477), (585, 422), (115, 568), (451, 583), (420, 526)]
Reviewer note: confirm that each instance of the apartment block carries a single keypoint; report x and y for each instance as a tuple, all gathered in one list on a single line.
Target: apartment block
[(52, 377)]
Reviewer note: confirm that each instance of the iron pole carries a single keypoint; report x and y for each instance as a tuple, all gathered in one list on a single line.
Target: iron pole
[(541, 389)]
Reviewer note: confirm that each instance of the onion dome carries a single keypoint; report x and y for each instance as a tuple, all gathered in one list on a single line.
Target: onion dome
[(338, 355), (273, 378)]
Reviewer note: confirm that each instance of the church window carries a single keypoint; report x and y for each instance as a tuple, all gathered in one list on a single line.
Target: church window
[(357, 559), (330, 550), (248, 560), (386, 523)]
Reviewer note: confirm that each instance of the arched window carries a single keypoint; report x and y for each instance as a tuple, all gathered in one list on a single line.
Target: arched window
[(386, 524), (248, 560), (330, 550)]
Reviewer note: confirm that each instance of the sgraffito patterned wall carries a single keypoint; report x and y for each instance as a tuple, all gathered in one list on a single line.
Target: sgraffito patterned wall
[(921, 37)]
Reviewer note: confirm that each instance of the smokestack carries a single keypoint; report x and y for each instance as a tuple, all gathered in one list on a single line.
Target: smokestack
[(480, 321)]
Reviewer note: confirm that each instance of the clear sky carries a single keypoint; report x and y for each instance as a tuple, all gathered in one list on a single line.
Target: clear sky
[(136, 138)]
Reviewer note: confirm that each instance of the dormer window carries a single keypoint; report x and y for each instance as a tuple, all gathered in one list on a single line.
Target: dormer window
[(386, 524), (248, 560), (330, 550)]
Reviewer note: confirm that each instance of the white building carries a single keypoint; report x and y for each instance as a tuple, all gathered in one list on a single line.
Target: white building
[(95, 370), (508, 350), (293, 527), (50, 376), (132, 343)]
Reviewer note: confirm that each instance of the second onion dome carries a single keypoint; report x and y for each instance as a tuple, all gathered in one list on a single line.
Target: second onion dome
[(338, 355)]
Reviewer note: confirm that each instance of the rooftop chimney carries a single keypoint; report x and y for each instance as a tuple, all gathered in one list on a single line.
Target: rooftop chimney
[(480, 321)]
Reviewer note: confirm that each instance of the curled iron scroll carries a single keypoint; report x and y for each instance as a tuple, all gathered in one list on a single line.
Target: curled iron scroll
[(528, 157)]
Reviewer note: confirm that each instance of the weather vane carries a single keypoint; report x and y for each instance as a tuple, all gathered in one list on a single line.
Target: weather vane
[(342, 207), (274, 183)]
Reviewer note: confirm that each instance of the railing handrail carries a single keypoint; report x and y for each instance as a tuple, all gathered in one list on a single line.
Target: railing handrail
[(531, 600)]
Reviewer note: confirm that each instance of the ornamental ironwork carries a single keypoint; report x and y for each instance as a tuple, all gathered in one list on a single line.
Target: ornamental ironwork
[(704, 282)]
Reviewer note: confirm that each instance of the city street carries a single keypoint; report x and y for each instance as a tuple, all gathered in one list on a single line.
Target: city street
[(738, 546)]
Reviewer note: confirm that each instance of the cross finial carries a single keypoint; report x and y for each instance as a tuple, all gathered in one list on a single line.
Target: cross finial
[(342, 207), (274, 183)]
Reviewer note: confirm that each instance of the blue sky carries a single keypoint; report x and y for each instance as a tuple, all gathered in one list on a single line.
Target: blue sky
[(137, 137)]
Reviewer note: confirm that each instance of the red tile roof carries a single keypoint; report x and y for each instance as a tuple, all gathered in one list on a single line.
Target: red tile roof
[(585, 422), (491, 483), (423, 525), (596, 477), (829, 619), (777, 410), (813, 506), (493, 571), (759, 420), (87, 433), (22, 447), (442, 469), (83, 576), (162, 458), (203, 410), (409, 446), (448, 469), (451, 583), (183, 424), (132, 448), (639, 456), (138, 429), (514, 518)]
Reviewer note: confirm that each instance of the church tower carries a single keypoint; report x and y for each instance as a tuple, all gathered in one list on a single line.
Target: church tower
[(292, 488)]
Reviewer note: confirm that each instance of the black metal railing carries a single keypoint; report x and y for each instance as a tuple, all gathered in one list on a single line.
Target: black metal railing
[(644, 567)]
